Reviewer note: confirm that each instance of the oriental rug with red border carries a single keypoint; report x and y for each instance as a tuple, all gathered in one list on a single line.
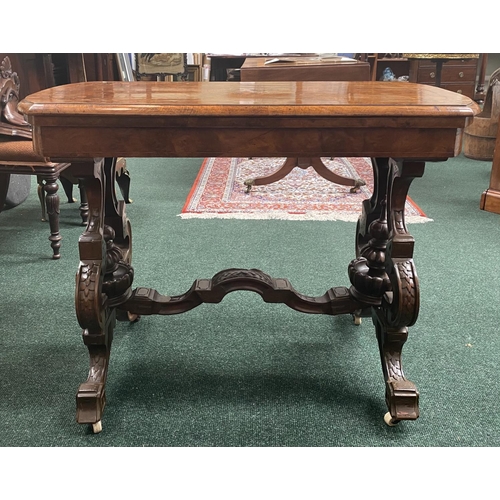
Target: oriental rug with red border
[(219, 192)]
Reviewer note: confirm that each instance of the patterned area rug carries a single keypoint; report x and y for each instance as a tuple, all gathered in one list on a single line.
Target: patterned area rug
[(219, 192)]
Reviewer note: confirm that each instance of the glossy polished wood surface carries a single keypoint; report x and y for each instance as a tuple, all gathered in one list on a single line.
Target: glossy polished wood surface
[(253, 98), (194, 119)]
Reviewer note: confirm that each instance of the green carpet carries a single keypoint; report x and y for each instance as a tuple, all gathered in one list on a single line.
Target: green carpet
[(244, 373)]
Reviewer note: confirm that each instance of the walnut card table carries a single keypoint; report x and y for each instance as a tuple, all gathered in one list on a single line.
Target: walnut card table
[(399, 125)]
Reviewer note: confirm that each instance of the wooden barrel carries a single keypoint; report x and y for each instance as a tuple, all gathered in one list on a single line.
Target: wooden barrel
[(480, 135)]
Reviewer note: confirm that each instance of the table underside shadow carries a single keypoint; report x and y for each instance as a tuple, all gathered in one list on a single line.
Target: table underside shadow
[(383, 283)]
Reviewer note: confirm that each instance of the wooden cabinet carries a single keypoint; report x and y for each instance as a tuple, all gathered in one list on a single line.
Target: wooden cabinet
[(458, 75)]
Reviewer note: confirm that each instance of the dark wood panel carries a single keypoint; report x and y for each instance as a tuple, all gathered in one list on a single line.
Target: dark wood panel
[(35, 71)]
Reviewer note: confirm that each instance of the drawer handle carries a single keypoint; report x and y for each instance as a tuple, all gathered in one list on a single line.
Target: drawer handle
[(432, 74), (461, 74), (459, 91)]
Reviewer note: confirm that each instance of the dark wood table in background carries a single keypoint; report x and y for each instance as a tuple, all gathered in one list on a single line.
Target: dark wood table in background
[(299, 69), (398, 125), (304, 68)]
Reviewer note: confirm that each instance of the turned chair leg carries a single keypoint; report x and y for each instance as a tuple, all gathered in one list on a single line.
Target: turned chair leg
[(52, 204), (84, 204), (41, 197)]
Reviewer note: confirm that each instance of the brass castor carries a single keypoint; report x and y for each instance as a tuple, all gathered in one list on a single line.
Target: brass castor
[(97, 427), (391, 422), (356, 319)]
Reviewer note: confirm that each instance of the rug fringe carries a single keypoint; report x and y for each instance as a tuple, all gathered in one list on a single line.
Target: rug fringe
[(313, 216)]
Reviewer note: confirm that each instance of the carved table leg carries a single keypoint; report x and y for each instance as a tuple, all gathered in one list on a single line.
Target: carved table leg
[(120, 225), (384, 273), (103, 280), (115, 216)]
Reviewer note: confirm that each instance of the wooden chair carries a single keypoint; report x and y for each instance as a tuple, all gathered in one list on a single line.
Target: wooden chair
[(17, 156)]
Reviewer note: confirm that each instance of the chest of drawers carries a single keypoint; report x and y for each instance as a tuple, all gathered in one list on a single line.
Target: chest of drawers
[(458, 75)]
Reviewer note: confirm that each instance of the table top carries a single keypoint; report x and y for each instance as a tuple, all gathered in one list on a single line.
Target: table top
[(238, 119), (245, 98)]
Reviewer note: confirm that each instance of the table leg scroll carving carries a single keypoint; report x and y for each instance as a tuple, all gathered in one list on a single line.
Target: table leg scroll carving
[(115, 216), (384, 273), (373, 207), (92, 315), (103, 280), (400, 306)]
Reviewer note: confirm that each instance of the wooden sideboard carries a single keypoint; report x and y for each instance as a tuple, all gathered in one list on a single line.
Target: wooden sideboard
[(461, 73), (458, 75)]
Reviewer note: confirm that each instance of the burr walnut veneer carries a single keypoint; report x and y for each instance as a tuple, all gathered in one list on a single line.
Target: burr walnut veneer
[(399, 125)]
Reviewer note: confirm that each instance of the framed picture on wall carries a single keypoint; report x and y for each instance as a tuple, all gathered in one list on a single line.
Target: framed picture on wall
[(160, 64)]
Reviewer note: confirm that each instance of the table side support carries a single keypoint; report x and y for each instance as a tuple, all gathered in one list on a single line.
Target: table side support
[(383, 282), (104, 277), (384, 268)]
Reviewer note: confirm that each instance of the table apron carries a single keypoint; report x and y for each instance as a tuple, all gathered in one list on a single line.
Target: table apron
[(85, 142)]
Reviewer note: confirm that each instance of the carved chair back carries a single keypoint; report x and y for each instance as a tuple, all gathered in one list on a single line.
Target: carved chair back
[(12, 123)]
